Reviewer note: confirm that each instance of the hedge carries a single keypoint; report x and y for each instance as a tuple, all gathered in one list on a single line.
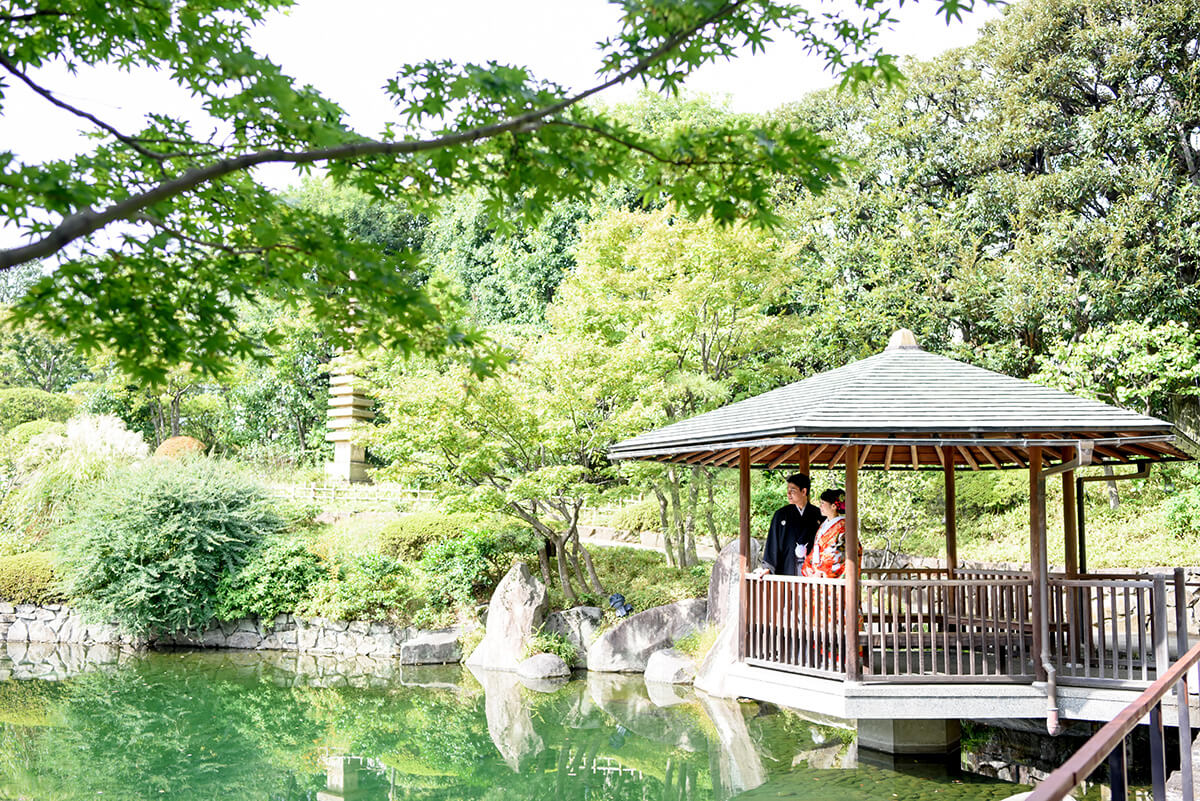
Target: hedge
[(29, 578), (407, 538), (22, 404)]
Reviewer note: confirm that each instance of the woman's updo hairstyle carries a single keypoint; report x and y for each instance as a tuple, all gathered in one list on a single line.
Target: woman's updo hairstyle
[(837, 498)]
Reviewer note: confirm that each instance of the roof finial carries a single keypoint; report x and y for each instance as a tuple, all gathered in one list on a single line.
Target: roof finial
[(902, 338)]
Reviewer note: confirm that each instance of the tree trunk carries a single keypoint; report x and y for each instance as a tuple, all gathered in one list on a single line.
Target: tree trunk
[(560, 557), (709, 509), (544, 563), (677, 516), (593, 579), (1114, 498), (668, 538)]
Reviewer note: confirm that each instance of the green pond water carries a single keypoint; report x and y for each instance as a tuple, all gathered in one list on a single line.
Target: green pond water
[(217, 725)]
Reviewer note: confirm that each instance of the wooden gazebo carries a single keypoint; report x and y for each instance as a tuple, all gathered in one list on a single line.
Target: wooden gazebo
[(909, 409)]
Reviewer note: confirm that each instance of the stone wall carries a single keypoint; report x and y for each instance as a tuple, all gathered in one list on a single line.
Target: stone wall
[(53, 623)]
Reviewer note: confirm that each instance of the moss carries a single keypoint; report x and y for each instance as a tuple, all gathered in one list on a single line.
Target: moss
[(29, 578)]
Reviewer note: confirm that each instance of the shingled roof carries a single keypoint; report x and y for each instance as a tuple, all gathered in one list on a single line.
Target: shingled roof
[(909, 408)]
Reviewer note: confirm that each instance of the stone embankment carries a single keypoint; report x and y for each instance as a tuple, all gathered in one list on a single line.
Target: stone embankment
[(53, 623)]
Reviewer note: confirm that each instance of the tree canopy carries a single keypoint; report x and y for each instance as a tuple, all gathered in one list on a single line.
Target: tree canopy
[(161, 232)]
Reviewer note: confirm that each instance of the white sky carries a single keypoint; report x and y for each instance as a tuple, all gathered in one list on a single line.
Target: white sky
[(348, 48)]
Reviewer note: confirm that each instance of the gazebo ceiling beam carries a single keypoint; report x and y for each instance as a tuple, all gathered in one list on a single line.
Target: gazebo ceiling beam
[(787, 454), (987, 452), (834, 459), (887, 461), (866, 454), (966, 452)]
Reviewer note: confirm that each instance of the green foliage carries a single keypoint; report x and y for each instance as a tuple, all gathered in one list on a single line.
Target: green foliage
[(638, 517), (545, 642), (29, 578), (18, 437), (277, 575), (643, 577), (463, 569), (23, 404), (151, 544), (49, 500), (527, 142), (407, 538), (368, 587), (1183, 514), (990, 492)]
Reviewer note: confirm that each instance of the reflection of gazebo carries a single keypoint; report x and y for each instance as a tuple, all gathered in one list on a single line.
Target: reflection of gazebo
[(908, 409)]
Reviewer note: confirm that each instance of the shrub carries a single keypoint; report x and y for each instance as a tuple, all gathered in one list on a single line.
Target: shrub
[(19, 436), (699, 642), (1183, 514), (29, 578), (636, 518), (370, 587), (990, 492), (23, 404), (177, 447), (150, 546), (464, 570), (545, 642), (275, 578), (408, 537)]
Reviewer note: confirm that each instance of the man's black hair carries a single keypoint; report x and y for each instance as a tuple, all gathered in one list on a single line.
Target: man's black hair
[(800, 480)]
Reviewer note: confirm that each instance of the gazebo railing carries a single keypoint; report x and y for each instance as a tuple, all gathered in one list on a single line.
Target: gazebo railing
[(947, 630), (979, 627), (796, 624)]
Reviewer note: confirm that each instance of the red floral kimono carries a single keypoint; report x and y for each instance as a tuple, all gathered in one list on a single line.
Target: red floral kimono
[(827, 558)]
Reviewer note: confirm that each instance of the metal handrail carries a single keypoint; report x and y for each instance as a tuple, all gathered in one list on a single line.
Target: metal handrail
[(1112, 736)]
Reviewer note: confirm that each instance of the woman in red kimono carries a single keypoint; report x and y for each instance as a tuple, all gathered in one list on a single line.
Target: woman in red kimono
[(827, 557)]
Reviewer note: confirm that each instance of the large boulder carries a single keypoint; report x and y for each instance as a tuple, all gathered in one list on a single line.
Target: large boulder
[(543, 666), (509, 721), (723, 586), (441, 647), (517, 610), (627, 646), (670, 666), (578, 626), (710, 676)]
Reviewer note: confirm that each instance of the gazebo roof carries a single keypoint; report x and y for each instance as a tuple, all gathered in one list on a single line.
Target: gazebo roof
[(909, 409)]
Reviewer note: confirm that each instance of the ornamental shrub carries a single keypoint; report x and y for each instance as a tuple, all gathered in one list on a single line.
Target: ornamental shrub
[(463, 570), (19, 436), (151, 545), (545, 642), (179, 447), (29, 578), (407, 538), (23, 404), (1183, 514), (642, 516), (368, 587), (276, 577)]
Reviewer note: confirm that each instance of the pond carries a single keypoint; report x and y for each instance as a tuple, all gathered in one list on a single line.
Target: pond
[(223, 725)]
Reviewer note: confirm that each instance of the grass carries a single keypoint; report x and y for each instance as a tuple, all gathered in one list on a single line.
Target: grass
[(354, 535)]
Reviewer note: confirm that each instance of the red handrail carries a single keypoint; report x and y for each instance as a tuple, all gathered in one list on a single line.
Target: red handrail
[(1075, 770)]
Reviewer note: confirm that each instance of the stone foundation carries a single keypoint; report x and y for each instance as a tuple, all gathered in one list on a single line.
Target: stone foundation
[(57, 624)]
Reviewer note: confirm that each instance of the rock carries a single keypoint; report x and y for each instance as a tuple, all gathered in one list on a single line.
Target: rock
[(509, 721), (710, 676), (738, 765), (548, 686), (40, 631), (18, 632), (578, 626), (243, 640), (724, 585), (543, 666), (669, 666), (432, 648), (627, 646), (213, 638), (516, 611), (664, 695)]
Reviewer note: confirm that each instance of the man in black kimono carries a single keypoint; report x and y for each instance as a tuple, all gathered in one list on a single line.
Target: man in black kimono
[(792, 525)]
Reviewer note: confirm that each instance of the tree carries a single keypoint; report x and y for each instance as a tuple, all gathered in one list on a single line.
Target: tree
[(678, 317), (196, 234)]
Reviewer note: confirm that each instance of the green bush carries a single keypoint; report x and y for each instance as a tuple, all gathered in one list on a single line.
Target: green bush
[(18, 436), (1183, 513), (407, 537), (464, 570), (545, 642), (23, 404), (29, 578), (990, 492), (51, 498), (150, 546), (370, 587), (275, 578), (636, 518)]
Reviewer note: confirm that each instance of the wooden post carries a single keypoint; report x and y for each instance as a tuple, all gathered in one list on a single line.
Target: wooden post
[(1037, 554), (743, 543), (805, 465), (853, 570), (1070, 532), (951, 516)]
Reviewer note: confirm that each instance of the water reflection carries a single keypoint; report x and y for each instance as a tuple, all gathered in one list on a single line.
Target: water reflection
[(285, 727)]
